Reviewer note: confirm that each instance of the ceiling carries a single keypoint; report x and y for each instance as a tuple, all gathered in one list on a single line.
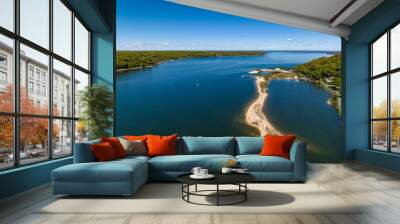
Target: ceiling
[(326, 16)]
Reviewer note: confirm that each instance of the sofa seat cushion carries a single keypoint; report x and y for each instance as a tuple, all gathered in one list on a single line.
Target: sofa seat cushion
[(130, 158), (185, 163), (257, 163), (112, 171)]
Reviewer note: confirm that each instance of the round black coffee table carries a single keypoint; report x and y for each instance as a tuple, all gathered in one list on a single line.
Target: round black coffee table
[(238, 179)]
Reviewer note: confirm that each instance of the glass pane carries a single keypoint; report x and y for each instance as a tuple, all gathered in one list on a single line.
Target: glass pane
[(62, 138), (34, 18), (379, 55), (379, 97), (395, 47), (33, 139), (81, 131), (6, 142), (379, 135), (81, 45), (34, 92), (62, 89), (81, 82), (395, 94), (62, 29), (395, 136), (7, 14), (6, 74)]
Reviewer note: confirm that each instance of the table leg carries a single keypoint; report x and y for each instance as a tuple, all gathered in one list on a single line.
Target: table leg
[(217, 194), (188, 190), (245, 193)]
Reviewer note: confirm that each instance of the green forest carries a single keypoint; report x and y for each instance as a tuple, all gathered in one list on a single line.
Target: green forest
[(324, 71), (141, 59)]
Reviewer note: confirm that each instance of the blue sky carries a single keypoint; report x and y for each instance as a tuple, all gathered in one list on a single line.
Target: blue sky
[(161, 25)]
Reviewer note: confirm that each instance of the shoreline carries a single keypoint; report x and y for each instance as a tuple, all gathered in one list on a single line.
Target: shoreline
[(132, 69), (255, 116)]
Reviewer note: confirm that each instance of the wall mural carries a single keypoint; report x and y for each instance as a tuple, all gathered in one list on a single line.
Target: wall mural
[(230, 91)]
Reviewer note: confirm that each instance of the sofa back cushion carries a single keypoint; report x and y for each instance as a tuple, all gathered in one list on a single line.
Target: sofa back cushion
[(249, 145), (208, 145), (161, 145)]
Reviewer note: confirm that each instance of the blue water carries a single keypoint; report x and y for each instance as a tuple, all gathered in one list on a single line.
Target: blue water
[(208, 97)]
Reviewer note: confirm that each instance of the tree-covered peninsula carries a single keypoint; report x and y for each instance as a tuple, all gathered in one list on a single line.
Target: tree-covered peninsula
[(129, 60), (324, 72)]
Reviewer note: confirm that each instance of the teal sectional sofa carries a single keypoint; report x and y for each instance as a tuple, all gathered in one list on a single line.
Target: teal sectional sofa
[(125, 176)]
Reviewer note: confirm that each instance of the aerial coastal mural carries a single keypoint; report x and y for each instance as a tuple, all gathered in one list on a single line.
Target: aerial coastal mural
[(230, 90)]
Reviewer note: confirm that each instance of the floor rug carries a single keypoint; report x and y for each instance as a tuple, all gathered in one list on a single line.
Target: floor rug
[(167, 198)]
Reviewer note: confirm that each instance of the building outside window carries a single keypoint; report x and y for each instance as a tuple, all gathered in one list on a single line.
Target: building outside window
[(43, 90), (30, 72), (3, 61), (38, 89), (34, 75), (30, 87), (3, 78), (385, 92), (3, 72), (44, 77)]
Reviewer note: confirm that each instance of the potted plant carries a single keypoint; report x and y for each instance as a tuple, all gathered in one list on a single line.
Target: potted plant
[(97, 105)]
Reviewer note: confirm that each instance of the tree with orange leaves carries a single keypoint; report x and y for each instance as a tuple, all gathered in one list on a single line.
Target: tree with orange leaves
[(33, 131)]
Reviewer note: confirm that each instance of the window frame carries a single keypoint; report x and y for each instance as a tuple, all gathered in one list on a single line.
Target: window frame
[(388, 74), (16, 114)]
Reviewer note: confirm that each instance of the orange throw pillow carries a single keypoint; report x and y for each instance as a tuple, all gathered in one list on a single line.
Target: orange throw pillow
[(161, 145), (103, 152), (136, 138), (116, 145), (277, 145)]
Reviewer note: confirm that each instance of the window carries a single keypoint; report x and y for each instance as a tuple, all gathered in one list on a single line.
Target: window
[(61, 75), (7, 14), (37, 90), (81, 45), (3, 78), (62, 29), (6, 74), (35, 21), (385, 91), (43, 114), (30, 72), (44, 91), (6, 142), (62, 137), (33, 143), (3, 72), (3, 61), (37, 74), (81, 82), (30, 87)]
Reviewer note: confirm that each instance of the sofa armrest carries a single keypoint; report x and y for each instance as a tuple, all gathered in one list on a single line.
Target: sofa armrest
[(83, 152), (298, 155)]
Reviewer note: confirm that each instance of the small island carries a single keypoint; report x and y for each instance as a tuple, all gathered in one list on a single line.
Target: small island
[(131, 60)]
